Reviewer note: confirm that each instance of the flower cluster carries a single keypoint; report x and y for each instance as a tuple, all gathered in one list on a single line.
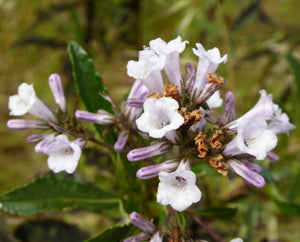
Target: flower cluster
[(177, 113), (63, 155), (169, 112)]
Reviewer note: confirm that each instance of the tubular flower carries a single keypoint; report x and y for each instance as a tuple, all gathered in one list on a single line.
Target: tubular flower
[(178, 188), (26, 101), (160, 116), (63, 154), (171, 51)]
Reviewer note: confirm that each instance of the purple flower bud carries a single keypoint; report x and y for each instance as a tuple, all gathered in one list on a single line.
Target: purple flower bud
[(142, 223), (135, 102), (36, 137), (20, 124), (210, 88), (190, 77), (149, 151), (138, 238), (58, 92), (242, 170), (101, 117), (273, 157), (152, 171), (121, 142), (228, 114), (42, 146)]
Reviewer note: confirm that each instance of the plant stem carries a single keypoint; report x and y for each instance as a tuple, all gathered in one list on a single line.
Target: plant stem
[(204, 226)]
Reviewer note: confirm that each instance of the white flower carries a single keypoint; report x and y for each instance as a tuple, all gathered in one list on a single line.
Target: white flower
[(280, 121), (63, 154), (147, 69), (253, 137), (208, 63), (236, 240), (156, 237), (22, 102), (161, 47), (171, 51), (213, 55), (215, 100), (160, 116), (178, 188), (26, 101)]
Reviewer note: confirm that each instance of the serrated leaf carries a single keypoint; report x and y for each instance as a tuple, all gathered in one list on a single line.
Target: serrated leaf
[(114, 234), (220, 212), (56, 194)]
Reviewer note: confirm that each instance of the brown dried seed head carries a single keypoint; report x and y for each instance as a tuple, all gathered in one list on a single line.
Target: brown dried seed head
[(216, 163), (214, 141), (191, 118), (157, 95), (171, 90), (200, 145), (213, 78)]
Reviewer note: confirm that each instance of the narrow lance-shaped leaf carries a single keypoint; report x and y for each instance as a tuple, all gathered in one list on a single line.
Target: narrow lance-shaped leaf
[(88, 82), (56, 194), (118, 233), (220, 212)]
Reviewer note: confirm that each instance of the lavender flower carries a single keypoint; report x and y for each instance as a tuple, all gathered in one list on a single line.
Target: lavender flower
[(101, 117), (149, 151), (246, 171), (58, 92), (19, 124), (149, 230), (153, 171)]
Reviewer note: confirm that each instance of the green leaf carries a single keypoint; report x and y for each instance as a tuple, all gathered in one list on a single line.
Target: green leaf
[(114, 234), (88, 82), (56, 194), (288, 208), (220, 212), (201, 168), (294, 64), (294, 191)]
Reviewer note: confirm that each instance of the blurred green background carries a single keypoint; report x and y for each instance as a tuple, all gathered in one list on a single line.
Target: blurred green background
[(262, 39)]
